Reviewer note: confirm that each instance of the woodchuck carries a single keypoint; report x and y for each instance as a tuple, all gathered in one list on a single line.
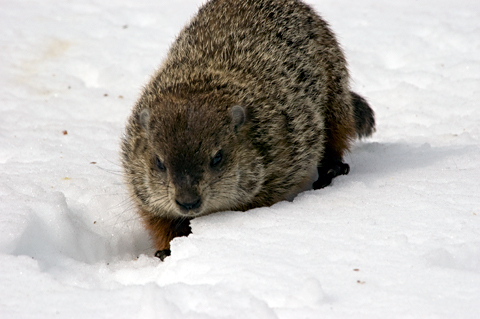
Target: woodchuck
[(251, 106)]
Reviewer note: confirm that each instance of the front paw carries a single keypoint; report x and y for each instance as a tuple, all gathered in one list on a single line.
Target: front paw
[(162, 254)]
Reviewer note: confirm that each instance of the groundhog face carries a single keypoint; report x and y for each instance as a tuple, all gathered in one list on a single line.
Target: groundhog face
[(196, 160)]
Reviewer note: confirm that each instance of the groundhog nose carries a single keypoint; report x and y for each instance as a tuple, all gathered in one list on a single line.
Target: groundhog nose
[(190, 205)]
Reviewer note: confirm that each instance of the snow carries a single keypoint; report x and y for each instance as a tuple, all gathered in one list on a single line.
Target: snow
[(399, 237)]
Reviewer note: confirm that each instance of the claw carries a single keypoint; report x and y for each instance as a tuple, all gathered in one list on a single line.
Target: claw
[(345, 169)]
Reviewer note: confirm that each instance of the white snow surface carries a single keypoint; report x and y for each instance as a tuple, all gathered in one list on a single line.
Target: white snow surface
[(399, 237)]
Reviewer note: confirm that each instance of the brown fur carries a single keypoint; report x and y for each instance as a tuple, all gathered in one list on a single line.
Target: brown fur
[(251, 99), (163, 230)]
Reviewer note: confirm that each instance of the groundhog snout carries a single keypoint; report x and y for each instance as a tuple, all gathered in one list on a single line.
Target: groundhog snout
[(188, 204), (188, 200)]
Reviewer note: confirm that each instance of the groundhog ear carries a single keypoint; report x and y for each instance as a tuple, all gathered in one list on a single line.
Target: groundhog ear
[(238, 117), (144, 118)]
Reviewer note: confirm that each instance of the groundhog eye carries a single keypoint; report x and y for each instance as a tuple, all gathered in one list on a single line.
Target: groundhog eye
[(159, 164), (217, 158)]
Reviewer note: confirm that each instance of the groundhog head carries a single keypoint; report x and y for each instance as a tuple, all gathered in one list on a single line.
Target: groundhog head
[(192, 158)]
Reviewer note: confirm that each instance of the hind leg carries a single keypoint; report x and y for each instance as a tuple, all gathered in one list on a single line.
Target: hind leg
[(340, 132)]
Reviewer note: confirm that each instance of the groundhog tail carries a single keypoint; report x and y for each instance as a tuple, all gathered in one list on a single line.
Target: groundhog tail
[(364, 116)]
